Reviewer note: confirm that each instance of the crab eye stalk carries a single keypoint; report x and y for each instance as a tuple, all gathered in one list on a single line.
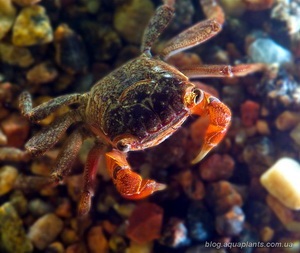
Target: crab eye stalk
[(123, 147), (198, 95)]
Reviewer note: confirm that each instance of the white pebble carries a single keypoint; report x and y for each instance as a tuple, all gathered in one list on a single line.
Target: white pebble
[(267, 51), (282, 182)]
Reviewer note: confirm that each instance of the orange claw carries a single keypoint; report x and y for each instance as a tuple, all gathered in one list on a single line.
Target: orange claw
[(219, 116), (130, 184)]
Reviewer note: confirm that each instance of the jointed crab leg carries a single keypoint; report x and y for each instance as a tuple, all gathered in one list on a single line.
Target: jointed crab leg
[(67, 156), (221, 70), (128, 183), (162, 17), (213, 10), (89, 177), (50, 135), (191, 37), (218, 116), (43, 110)]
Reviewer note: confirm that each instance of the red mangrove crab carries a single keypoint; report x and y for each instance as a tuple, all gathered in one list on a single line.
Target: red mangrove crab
[(135, 107)]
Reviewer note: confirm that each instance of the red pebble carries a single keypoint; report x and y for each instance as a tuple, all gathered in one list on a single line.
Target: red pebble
[(249, 113), (145, 223), (16, 129), (216, 167)]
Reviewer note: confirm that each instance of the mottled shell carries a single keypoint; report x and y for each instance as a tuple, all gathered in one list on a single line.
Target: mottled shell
[(143, 99)]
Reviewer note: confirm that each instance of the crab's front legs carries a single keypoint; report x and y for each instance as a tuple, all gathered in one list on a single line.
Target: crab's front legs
[(128, 183), (218, 117)]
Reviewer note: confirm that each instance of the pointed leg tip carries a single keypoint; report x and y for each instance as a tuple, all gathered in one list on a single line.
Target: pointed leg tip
[(159, 187)]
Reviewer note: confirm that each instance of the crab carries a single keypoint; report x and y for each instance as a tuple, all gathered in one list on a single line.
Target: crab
[(135, 107)]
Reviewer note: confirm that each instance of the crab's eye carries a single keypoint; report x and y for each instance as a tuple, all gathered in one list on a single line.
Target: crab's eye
[(123, 147), (198, 95)]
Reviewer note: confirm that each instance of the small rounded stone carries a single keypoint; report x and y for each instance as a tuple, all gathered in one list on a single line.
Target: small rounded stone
[(216, 167), (230, 223), (287, 120), (7, 16), (145, 223), (13, 238), (55, 247), (97, 241), (8, 176), (44, 72), (17, 56), (131, 19), (16, 129), (32, 27), (45, 230), (282, 181), (175, 234), (25, 2), (38, 207), (249, 113), (295, 134)]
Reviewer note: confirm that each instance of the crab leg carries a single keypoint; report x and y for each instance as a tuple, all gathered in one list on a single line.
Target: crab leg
[(218, 116), (162, 17), (128, 183), (43, 110), (191, 37), (67, 156), (213, 10), (50, 135), (89, 178), (222, 70)]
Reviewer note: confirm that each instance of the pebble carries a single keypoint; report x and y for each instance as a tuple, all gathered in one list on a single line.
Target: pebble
[(282, 181), (8, 176), (233, 8), (25, 2), (44, 72), (258, 213), (55, 247), (117, 244), (259, 155), (289, 218), (231, 223), (17, 56), (216, 167), (76, 248), (287, 120), (45, 230), (69, 236), (267, 51), (175, 234), (7, 17), (131, 18), (262, 127), (200, 222), (139, 248), (249, 113), (222, 196), (103, 42), (38, 207), (32, 27), (13, 238), (295, 134), (20, 203), (97, 241), (144, 224), (70, 51), (16, 128), (64, 208), (267, 234)]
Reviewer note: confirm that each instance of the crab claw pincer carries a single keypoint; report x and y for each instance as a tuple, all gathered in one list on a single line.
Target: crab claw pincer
[(218, 117)]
